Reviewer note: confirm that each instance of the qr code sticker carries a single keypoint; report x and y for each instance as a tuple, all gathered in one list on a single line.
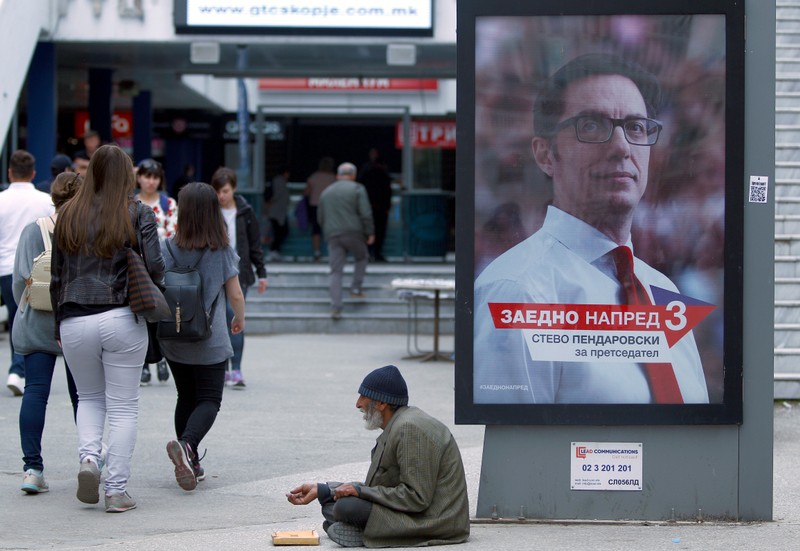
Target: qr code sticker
[(758, 189)]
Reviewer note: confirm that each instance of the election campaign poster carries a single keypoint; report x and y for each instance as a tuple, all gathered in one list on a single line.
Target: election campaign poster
[(600, 188)]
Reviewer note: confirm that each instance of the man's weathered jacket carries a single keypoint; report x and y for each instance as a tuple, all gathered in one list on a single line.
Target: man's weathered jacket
[(416, 483)]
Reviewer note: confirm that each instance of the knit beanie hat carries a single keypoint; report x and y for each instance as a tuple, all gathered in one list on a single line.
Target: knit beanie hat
[(385, 384)]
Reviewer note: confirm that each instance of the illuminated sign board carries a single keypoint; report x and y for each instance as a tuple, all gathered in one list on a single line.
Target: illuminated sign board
[(352, 17)]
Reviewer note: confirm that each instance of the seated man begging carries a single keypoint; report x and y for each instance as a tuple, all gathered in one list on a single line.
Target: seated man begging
[(415, 492)]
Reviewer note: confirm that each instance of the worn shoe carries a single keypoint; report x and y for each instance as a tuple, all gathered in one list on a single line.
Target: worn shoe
[(336, 314), (236, 380), (145, 379), (15, 384), (199, 473), (346, 535), (357, 293), (119, 503), (163, 371), (88, 482), (33, 482), (181, 455)]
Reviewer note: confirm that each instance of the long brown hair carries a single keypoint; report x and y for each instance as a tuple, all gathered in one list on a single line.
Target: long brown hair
[(97, 220), (200, 222)]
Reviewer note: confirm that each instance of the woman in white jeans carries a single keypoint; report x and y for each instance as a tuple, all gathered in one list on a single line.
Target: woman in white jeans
[(104, 343)]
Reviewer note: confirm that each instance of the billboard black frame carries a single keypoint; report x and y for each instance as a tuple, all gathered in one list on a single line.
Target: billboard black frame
[(727, 412)]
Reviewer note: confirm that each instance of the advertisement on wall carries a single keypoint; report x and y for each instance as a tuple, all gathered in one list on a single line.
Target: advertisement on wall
[(601, 192), (359, 17)]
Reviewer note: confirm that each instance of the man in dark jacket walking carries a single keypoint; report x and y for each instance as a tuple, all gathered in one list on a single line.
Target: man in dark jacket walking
[(245, 238), (415, 492)]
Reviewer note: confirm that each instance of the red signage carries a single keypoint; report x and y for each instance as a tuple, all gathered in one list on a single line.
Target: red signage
[(121, 124), (350, 84), (438, 134)]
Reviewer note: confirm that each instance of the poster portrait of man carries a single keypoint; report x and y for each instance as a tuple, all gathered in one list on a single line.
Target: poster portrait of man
[(602, 209)]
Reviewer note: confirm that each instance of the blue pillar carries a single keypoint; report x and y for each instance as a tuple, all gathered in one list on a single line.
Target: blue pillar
[(42, 108), (142, 125), (100, 102)]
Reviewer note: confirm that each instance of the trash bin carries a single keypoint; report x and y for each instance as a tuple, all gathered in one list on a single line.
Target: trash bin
[(425, 221)]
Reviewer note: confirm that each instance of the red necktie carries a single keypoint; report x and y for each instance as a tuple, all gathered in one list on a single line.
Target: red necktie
[(660, 376)]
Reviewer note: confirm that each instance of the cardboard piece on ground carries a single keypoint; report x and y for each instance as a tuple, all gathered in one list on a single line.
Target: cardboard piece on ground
[(296, 537)]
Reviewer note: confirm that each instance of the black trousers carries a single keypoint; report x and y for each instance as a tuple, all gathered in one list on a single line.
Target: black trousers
[(199, 399)]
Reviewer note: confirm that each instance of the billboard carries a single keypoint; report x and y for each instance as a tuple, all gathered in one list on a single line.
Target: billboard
[(600, 200), (305, 17)]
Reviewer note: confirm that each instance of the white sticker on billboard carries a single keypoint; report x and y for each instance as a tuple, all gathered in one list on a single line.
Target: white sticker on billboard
[(613, 466)]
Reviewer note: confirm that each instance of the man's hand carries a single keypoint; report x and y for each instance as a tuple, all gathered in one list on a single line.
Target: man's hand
[(345, 490), (370, 239), (303, 495)]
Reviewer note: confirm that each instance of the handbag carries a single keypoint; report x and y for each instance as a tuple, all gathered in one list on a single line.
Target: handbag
[(144, 296)]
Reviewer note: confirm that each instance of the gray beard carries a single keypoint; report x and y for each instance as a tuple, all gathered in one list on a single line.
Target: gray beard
[(372, 417)]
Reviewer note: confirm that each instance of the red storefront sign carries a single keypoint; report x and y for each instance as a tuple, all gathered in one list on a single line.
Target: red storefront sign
[(438, 134), (121, 124), (350, 84)]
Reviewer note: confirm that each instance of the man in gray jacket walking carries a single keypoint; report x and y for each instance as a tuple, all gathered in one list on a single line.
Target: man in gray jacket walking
[(346, 220)]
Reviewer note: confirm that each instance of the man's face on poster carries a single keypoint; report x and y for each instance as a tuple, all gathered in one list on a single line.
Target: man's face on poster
[(596, 181)]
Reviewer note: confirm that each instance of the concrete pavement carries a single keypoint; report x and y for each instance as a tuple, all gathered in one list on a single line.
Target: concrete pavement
[(297, 422)]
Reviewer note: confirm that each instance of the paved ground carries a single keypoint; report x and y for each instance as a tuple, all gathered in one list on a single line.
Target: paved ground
[(297, 422)]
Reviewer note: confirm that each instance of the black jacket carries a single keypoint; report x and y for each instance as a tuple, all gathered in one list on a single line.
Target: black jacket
[(96, 281), (248, 243)]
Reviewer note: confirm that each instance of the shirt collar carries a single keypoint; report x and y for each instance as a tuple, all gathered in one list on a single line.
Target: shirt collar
[(579, 237)]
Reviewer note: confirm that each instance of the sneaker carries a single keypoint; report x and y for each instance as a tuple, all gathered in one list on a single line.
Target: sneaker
[(336, 314), (235, 380), (227, 378), (145, 379), (119, 503), (357, 293), (33, 482), (163, 371), (181, 455), (88, 482), (199, 473), (15, 384), (346, 535)]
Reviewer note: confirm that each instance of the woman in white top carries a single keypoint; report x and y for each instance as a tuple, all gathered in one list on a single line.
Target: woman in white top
[(150, 183)]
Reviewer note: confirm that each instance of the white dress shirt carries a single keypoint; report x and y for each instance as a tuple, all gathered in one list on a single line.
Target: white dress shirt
[(20, 205), (566, 262)]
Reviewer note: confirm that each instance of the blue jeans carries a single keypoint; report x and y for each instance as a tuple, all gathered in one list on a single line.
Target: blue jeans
[(237, 341), (17, 365), (39, 368)]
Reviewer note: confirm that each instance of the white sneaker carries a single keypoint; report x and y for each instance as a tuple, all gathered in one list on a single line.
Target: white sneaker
[(33, 482), (15, 384)]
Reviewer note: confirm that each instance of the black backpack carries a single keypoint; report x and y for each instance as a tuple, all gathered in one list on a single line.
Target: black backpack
[(184, 293)]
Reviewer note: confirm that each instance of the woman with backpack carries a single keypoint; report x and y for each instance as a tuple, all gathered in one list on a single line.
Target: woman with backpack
[(198, 366), (151, 183), (104, 342), (32, 334)]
